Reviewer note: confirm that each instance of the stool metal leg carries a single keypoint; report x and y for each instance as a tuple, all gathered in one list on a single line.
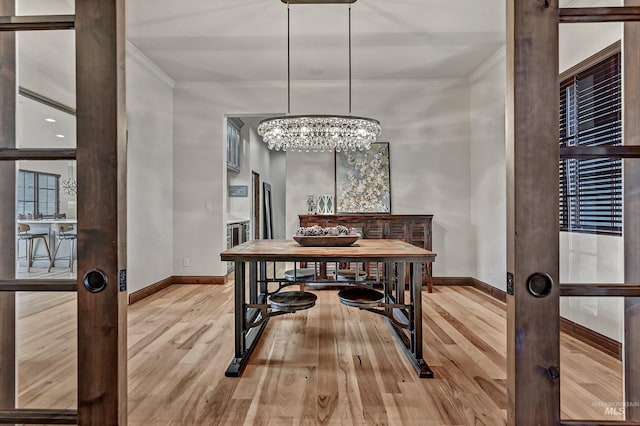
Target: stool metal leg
[(30, 255), (46, 246), (73, 243), (55, 253)]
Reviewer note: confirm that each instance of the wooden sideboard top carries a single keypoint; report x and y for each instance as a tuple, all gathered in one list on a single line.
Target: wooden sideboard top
[(367, 216)]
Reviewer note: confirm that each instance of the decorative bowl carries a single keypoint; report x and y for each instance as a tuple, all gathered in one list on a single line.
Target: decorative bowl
[(326, 240)]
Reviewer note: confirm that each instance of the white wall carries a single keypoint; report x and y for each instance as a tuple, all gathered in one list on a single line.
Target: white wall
[(149, 172), (271, 166), (239, 208), (426, 122), (580, 41), (488, 170), (586, 258), (199, 167)]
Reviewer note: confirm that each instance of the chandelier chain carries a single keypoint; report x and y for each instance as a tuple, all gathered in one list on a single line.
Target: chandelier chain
[(318, 132), (349, 59), (288, 58)]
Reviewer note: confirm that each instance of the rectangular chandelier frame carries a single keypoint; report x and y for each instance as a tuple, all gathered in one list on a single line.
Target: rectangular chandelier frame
[(318, 1)]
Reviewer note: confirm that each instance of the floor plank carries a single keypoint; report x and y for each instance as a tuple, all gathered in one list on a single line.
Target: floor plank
[(330, 365)]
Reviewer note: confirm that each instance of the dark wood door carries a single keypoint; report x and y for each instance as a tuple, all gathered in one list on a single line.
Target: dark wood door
[(101, 213), (534, 372), (256, 205)]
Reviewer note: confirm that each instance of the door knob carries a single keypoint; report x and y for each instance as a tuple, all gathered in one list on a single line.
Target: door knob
[(95, 280), (539, 284)]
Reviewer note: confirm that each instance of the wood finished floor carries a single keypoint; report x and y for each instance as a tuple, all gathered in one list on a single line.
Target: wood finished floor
[(330, 365)]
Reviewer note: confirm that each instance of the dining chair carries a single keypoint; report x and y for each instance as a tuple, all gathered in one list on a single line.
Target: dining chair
[(66, 232), (25, 234)]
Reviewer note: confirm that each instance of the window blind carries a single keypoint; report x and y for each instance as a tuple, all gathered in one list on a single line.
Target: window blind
[(591, 115)]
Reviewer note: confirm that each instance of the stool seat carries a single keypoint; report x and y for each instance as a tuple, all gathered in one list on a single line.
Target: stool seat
[(360, 297), (301, 274), (291, 301), (350, 275)]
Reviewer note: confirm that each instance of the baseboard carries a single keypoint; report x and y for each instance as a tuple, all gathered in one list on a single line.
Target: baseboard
[(592, 338), (603, 343), (448, 281), (203, 279), (496, 293), (137, 296)]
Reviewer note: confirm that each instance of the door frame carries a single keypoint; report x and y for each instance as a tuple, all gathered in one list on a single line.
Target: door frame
[(533, 355), (255, 179), (533, 286), (101, 216)]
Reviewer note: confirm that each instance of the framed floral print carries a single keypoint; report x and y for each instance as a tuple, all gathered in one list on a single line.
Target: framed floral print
[(363, 180)]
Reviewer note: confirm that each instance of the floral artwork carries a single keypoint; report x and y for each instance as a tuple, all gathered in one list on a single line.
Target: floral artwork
[(363, 183)]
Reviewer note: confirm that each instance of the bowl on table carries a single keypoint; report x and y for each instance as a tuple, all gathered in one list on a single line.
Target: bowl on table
[(326, 240)]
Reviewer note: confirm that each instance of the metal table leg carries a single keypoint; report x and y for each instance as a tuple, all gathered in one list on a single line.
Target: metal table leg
[(245, 338), (412, 344)]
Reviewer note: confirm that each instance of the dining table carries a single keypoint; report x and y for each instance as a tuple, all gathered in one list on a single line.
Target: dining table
[(259, 285)]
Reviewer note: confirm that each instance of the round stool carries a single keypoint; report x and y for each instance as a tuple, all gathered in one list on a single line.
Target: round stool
[(301, 274), (350, 275), (360, 297), (291, 301)]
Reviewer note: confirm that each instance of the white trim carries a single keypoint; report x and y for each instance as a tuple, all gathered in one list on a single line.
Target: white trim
[(499, 55), (135, 53)]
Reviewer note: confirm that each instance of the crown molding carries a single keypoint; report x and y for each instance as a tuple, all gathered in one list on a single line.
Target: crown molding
[(135, 53), (497, 56)]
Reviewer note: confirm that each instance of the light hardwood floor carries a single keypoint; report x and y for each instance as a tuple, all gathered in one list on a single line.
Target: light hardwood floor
[(328, 365)]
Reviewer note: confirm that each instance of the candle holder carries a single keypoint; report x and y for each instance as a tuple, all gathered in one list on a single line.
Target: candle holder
[(325, 204), (311, 204)]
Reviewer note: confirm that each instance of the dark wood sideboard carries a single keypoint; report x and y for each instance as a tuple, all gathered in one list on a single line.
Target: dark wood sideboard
[(414, 229)]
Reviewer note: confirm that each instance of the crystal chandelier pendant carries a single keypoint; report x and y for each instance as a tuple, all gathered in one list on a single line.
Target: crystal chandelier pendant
[(318, 133)]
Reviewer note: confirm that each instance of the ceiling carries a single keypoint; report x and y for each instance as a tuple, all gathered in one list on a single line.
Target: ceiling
[(246, 40), (39, 125)]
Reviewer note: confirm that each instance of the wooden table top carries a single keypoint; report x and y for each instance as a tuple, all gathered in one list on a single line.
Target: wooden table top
[(363, 249)]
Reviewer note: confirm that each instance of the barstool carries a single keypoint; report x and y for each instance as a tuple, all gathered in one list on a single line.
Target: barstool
[(65, 233), (25, 234)]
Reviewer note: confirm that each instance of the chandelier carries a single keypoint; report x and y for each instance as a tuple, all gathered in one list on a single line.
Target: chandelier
[(318, 132), (69, 186)]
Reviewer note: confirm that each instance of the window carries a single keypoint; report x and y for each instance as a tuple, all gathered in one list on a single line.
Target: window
[(38, 193), (591, 115)]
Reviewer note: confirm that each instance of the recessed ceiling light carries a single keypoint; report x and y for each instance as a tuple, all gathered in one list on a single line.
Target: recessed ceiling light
[(59, 136), (50, 120)]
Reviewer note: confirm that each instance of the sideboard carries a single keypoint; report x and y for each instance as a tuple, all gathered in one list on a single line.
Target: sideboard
[(414, 229)]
